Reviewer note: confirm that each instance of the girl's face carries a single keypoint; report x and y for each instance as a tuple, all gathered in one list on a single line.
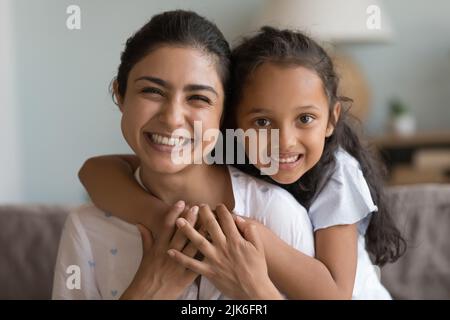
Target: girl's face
[(169, 89), (293, 100)]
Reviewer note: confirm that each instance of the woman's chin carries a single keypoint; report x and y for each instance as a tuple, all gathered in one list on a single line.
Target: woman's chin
[(161, 165)]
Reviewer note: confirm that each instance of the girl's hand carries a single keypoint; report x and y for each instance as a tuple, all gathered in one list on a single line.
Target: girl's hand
[(234, 264), (159, 276)]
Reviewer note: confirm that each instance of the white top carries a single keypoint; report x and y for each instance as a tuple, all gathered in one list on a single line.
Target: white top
[(108, 250), (346, 199)]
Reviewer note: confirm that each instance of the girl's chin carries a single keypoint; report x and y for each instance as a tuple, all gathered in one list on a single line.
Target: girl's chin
[(282, 179)]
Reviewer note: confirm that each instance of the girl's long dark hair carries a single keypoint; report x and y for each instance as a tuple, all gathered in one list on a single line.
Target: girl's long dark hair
[(383, 240)]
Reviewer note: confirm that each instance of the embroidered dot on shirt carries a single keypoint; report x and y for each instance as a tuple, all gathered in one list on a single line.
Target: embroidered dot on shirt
[(91, 263), (114, 293), (113, 251), (107, 214), (264, 189), (236, 175)]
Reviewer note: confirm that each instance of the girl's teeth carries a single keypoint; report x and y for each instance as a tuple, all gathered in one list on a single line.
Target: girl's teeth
[(156, 138), (287, 160)]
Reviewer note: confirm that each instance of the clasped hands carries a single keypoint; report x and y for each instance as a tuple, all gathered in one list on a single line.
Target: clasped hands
[(231, 248)]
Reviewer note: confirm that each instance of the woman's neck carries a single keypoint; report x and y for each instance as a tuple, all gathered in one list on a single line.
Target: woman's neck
[(197, 184)]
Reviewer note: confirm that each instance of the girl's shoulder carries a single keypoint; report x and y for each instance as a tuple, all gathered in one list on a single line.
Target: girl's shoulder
[(345, 197), (345, 160)]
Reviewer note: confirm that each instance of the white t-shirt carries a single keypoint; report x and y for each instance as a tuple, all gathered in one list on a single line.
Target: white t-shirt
[(346, 199), (108, 250)]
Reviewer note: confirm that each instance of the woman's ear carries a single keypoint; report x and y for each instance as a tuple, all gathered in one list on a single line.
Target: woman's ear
[(117, 97), (335, 114)]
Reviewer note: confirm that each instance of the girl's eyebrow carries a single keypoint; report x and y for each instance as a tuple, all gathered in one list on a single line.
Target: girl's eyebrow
[(264, 110), (310, 106)]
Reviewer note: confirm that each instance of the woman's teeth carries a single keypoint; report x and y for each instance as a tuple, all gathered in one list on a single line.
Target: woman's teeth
[(156, 138)]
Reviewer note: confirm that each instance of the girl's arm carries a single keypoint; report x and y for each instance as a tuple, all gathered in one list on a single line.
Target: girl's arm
[(110, 183), (330, 275)]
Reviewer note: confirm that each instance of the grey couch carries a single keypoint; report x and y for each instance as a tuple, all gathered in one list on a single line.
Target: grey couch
[(29, 237)]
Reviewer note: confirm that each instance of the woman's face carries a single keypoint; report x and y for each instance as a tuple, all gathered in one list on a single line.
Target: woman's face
[(291, 99), (169, 89)]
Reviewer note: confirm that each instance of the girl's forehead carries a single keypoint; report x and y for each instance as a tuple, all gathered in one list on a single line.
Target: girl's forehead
[(274, 82)]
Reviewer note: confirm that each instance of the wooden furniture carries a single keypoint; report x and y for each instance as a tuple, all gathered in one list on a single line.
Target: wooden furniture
[(419, 158)]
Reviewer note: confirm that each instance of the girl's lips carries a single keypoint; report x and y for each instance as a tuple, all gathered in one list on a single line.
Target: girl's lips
[(290, 165)]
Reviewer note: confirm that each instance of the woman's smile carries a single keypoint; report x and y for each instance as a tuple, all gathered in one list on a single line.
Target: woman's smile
[(166, 143)]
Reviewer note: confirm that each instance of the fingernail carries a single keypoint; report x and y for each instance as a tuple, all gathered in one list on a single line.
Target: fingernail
[(194, 210), (180, 204), (171, 253), (181, 222), (239, 219)]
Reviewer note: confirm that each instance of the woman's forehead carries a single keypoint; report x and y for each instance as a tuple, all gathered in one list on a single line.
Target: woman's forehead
[(178, 65)]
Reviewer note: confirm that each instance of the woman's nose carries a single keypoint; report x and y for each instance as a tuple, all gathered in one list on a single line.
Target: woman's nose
[(172, 114)]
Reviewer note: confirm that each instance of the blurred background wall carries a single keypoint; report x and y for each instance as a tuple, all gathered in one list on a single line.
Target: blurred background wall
[(56, 110)]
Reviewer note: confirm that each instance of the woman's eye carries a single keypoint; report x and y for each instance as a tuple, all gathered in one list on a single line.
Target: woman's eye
[(152, 90), (305, 119), (200, 98), (262, 122)]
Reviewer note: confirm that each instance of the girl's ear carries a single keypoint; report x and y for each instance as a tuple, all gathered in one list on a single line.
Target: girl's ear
[(117, 97), (335, 114)]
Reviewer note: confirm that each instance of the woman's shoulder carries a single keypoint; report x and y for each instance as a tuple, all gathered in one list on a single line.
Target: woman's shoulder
[(89, 219)]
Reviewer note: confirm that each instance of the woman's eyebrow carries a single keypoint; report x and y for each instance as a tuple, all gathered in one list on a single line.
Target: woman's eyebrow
[(155, 80), (197, 87)]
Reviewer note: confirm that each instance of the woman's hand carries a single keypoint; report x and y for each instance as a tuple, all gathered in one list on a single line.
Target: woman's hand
[(159, 276), (234, 264)]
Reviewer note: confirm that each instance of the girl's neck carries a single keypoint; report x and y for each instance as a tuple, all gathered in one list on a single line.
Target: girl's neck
[(197, 184)]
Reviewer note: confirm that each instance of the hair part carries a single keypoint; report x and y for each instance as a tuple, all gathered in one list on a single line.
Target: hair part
[(384, 241)]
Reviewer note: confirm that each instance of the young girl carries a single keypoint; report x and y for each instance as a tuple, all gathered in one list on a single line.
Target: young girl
[(174, 73), (284, 80)]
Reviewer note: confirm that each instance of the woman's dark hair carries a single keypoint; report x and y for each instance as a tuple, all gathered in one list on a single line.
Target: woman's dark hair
[(286, 47), (177, 28)]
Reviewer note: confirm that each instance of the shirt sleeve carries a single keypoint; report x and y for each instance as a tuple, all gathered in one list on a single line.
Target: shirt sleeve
[(289, 220), (345, 199), (74, 277)]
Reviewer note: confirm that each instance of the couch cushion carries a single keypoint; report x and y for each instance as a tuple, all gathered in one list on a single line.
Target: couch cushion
[(29, 240), (422, 213)]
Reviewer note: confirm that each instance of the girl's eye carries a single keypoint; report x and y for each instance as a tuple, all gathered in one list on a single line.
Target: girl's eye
[(262, 122), (305, 119), (153, 90), (200, 98)]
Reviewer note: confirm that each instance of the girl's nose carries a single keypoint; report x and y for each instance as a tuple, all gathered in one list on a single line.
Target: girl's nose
[(172, 114), (288, 139)]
